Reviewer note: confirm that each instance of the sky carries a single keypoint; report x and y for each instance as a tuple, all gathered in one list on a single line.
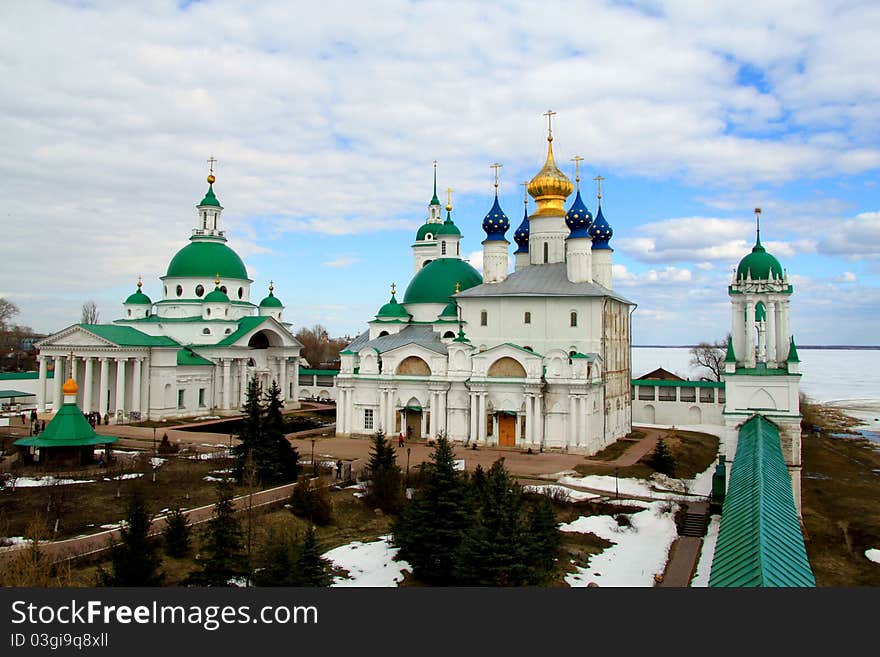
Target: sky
[(325, 119)]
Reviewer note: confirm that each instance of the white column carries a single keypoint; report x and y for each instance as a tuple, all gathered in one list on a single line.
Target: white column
[(441, 413), (772, 338), (104, 386), (243, 381), (59, 381), (482, 416), (529, 420), (517, 436), (786, 330), (583, 435), (380, 421), (120, 385), (749, 356), (88, 384), (538, 436), (227, 384), (424, 428), (295, 378), (391, 413), (137, 380), (341, 410), (473, 412), (739, 330), (284, 383), (573, 425), (41, 386)]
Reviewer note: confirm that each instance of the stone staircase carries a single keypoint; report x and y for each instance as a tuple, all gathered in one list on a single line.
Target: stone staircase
[(696, 520)]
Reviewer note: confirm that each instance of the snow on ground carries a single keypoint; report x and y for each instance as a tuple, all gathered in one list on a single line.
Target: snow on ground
[(639, 487), (210, 478), (368, 564), (873, 554), (552, 489), (704, 563), (130, 475), (155, 461), (11, 542), (640, 552), (659, 487), (32, 482)]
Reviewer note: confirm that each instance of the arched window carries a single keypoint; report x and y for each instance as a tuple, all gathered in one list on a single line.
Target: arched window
[(179, 290), (484, 318), (528, 348), (206, 331), (443, 247), (223, 289), (426, 263), (204, 219), (457, 248), (200, 290), (449, 334), (147, 313), (227, 331), (240, 292), (208, 312), (527, 317), (574, 318), (383, 334), (129, 312), (546, 253), (429, 236)]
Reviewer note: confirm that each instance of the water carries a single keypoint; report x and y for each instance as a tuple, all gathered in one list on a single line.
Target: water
[(848, 378)]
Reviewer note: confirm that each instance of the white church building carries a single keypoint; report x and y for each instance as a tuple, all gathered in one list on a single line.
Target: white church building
[(190, 353), (535, 358)]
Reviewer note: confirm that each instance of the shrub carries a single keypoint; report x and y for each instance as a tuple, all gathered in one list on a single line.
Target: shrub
[(310, 500)]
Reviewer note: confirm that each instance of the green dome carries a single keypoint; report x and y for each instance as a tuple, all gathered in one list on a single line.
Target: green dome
[(210, 199), (435, 282), (448, 228), (392, 310), (759, 264), (206, 259), (428, 228), (450, 311), (271, 302), (217, 296), (139, 298)]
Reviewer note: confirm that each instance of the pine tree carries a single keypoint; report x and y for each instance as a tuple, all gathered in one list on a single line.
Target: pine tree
[(276, 560), (134, 559), (280, 459), (224, 544), (545, 540), (661, 459), (430, 529), (251, 428), (385, 487), (494, 550), (176, 534), (311, 568)]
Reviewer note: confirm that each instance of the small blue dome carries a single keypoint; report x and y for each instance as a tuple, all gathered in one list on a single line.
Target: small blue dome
[(496, 222), (600, 231), (521, 235), (578, 218)]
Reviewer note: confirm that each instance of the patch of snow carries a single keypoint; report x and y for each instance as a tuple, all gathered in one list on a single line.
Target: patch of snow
[(12, 542), (223, 471), (33, 482), (873, 555), (112, 526), (206, 417), (553, 489), (704, 564), (210, 478), (624, 486), (640, 551), (368, 564), (130, 475), (240, 582), (458, 464), (155, 461)]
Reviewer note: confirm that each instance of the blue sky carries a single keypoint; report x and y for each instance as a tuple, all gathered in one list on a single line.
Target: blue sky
[(326, 119)]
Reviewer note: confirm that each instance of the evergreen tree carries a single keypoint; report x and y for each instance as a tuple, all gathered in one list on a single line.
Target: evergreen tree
[(661, 459), (277, 560), (311, 568), (430, 529), (545, 539), (134, 559), (176, 534), (494, 550), (251, 431), (224, 544), (310, 500), (385, 487), (277, 460)]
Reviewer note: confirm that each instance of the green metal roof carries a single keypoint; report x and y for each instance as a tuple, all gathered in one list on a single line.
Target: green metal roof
[(24, 376), (12, 394), (664, 383), (425, 229), (271, 301), (139, 298), (244, 326), (125, 336), (435, 282), (69, 428), (730, 357), (206, 259), (759, 264), (216, 296), (310, 372), (187, 356), (792, 353), (760, 541), (210, 199), (393, 309)]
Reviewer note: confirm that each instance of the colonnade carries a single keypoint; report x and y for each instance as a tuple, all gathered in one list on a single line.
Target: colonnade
[(85, 377), (766, 341)]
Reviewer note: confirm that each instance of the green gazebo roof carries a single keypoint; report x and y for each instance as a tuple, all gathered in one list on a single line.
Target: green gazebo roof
[(69, 428)]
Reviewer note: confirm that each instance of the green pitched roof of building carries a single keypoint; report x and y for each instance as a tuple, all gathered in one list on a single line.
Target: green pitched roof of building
[(206, 259), (69, 428), (210, 199), (435, 282), (730, 357), (792, 353), (244, 326), (187, 356), (760, 541), (126, 336)]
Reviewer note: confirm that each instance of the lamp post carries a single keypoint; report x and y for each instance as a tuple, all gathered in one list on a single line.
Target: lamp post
[(408, 450), (314, 465), (154, 441)]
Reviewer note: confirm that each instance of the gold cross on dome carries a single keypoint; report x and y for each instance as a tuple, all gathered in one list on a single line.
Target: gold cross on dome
[(525, 186), (577, 159), (449, 196), (211, 161), (496, 166), (393, 289), (599, 180), (549, 114)]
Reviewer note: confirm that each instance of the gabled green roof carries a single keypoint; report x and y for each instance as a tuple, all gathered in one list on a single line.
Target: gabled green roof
[(187, 356), (69, 428), (760, 541), (792, 353), (126, 336), (730, 357), (13, 376), (244, 326)]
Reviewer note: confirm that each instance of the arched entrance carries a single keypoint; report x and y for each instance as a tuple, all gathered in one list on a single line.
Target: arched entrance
[(506, 429), (412, 419)]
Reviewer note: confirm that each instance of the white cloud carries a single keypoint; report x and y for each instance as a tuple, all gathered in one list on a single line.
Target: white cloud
[(853, 239), (846, 277), (343, 261), (476, 260)]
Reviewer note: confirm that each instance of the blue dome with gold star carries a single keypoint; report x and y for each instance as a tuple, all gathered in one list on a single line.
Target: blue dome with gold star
[(600, 231), (578, 218), (496, 222), (521, 235)]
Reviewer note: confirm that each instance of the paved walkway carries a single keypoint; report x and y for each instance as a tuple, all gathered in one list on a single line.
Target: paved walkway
[(680, 568)]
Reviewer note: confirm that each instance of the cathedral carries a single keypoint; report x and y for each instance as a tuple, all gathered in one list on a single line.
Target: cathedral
[(538, 358), (190, 353)]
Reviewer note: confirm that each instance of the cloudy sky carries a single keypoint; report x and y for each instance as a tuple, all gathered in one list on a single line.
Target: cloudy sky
[(326, 117)]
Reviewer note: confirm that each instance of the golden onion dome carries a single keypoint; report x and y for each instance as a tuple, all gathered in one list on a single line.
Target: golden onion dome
[(550, 187), (70, 387)]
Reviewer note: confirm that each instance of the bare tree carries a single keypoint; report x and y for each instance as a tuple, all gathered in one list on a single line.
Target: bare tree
[(8, 310), (711, 357), (318, 346), (90, 314)]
